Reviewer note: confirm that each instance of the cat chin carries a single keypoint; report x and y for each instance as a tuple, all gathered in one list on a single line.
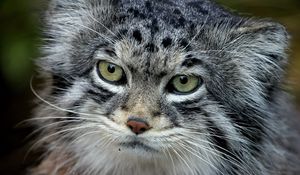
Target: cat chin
[(135, 150), (136, 162), (136, 159), (141, 151)]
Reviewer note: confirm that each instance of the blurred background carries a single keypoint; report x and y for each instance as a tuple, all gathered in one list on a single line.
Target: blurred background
[(19, 41)]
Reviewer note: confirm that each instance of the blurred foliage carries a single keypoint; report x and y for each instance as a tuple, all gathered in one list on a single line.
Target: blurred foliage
[(19, 34), (18, 41)]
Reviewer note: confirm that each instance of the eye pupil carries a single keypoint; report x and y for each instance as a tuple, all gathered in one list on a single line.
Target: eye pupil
[(111, 68), (183, 79)]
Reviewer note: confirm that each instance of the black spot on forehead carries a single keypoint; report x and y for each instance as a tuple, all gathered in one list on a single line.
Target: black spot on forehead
[(181, 21), (177, 11), (183, 43), (173, 22), (176, 21), (148, 6), (142, 16), (137, 35), (136, 13), (192, 28), (158, 15), (166, 42), (122, 18), (195, 11), (130, 10), (154, 26)]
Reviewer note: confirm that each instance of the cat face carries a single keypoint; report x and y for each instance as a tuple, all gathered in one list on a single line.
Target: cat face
[(138, 83)]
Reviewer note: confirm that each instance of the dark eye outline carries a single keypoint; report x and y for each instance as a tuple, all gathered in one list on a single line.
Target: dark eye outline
[(123, 79), (171, 89)]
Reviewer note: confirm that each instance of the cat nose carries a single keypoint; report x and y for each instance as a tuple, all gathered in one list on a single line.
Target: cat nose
[(137, 125)]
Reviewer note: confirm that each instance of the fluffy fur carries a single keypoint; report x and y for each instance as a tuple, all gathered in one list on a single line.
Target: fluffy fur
[(233, 124)]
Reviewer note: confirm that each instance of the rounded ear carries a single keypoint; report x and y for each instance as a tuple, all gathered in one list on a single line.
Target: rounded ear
[(262, 45), (67, 21), (264, 38), (72, 3), (80, 7), (255, 52)]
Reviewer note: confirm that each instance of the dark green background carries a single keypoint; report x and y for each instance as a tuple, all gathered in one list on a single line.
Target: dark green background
[(19, 41)]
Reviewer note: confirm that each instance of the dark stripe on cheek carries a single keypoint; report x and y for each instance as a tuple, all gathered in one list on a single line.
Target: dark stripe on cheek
[(250, 129), (73, 114), (85, 73), (249, 122), (188, 110), (184, 108), (100, 97), (170, 113), (217, 137), (60, 84)]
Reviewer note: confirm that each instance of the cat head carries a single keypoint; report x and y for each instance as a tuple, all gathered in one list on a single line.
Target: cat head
[(159, 79)]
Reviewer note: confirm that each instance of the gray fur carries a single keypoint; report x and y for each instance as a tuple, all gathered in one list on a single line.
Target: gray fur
[(233, 124)]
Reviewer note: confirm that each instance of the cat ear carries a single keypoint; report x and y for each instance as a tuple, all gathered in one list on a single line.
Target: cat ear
[(265, 32), (256, 50), (68, 3), (262, 46), (64, 22), (251, 68), (71, 12), (265, 39), (72, 7)]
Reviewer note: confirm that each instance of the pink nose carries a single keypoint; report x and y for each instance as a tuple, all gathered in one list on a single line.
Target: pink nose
[(137, 126)]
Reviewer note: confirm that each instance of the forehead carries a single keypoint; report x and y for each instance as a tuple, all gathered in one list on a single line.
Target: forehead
[(153, 35), (156, 36), (159, 33), (156, 22), (149, 57), (174, 13)]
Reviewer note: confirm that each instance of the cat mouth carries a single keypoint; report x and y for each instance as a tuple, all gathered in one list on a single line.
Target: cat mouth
[(137, 145)]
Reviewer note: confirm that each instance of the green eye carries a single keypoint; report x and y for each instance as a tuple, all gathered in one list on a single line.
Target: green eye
[(111, 72), (184, 84)]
